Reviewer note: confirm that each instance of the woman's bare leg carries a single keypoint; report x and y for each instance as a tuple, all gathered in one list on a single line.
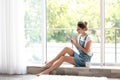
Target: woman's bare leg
[(62, 59), (62, 53)]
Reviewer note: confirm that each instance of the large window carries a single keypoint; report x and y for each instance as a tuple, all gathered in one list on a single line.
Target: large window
[(49, 22)]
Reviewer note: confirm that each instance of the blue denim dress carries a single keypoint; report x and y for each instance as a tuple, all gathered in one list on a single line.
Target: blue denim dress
[(81, 58)]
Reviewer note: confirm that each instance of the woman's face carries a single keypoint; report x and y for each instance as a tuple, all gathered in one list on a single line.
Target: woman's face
[(80, 30)]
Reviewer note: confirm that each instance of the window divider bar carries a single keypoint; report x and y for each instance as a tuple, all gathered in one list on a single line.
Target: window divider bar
[(44, 32), (102, 24)]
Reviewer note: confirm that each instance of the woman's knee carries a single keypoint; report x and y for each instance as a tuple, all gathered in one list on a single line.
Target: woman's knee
[(66, 49), (69, 51)]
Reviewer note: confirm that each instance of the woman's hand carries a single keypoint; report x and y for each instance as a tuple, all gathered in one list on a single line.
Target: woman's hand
[(75, 42), (71, 40)]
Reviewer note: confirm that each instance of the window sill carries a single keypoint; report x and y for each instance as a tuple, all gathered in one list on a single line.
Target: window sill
[(108, 71)]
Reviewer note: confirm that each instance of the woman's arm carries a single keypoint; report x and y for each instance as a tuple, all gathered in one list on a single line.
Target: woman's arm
[(87, 47)]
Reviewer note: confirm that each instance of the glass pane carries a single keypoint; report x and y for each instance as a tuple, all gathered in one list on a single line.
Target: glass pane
[(62, 16), (96, 39), (57, 41), (117, 32), (112, 31), (33, 27)]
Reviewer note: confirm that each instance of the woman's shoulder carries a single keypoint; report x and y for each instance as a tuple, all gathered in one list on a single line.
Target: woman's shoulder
[(88, 37)]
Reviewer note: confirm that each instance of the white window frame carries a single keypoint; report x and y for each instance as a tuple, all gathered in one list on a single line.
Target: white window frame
[(44, 31), (102, 24)]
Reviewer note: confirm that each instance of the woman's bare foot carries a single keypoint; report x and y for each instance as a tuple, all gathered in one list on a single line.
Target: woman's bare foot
[(47, 65), (44, 72)]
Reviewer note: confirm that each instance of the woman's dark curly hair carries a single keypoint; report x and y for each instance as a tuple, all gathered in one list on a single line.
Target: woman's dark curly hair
[(82, 25)]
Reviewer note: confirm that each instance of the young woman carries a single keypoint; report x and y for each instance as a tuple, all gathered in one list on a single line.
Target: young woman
[(82, 43)]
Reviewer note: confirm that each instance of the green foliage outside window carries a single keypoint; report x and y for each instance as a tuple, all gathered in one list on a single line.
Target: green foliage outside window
[(66, 13)]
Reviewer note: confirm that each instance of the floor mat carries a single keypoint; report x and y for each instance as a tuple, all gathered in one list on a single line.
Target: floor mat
[(65, 77)]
